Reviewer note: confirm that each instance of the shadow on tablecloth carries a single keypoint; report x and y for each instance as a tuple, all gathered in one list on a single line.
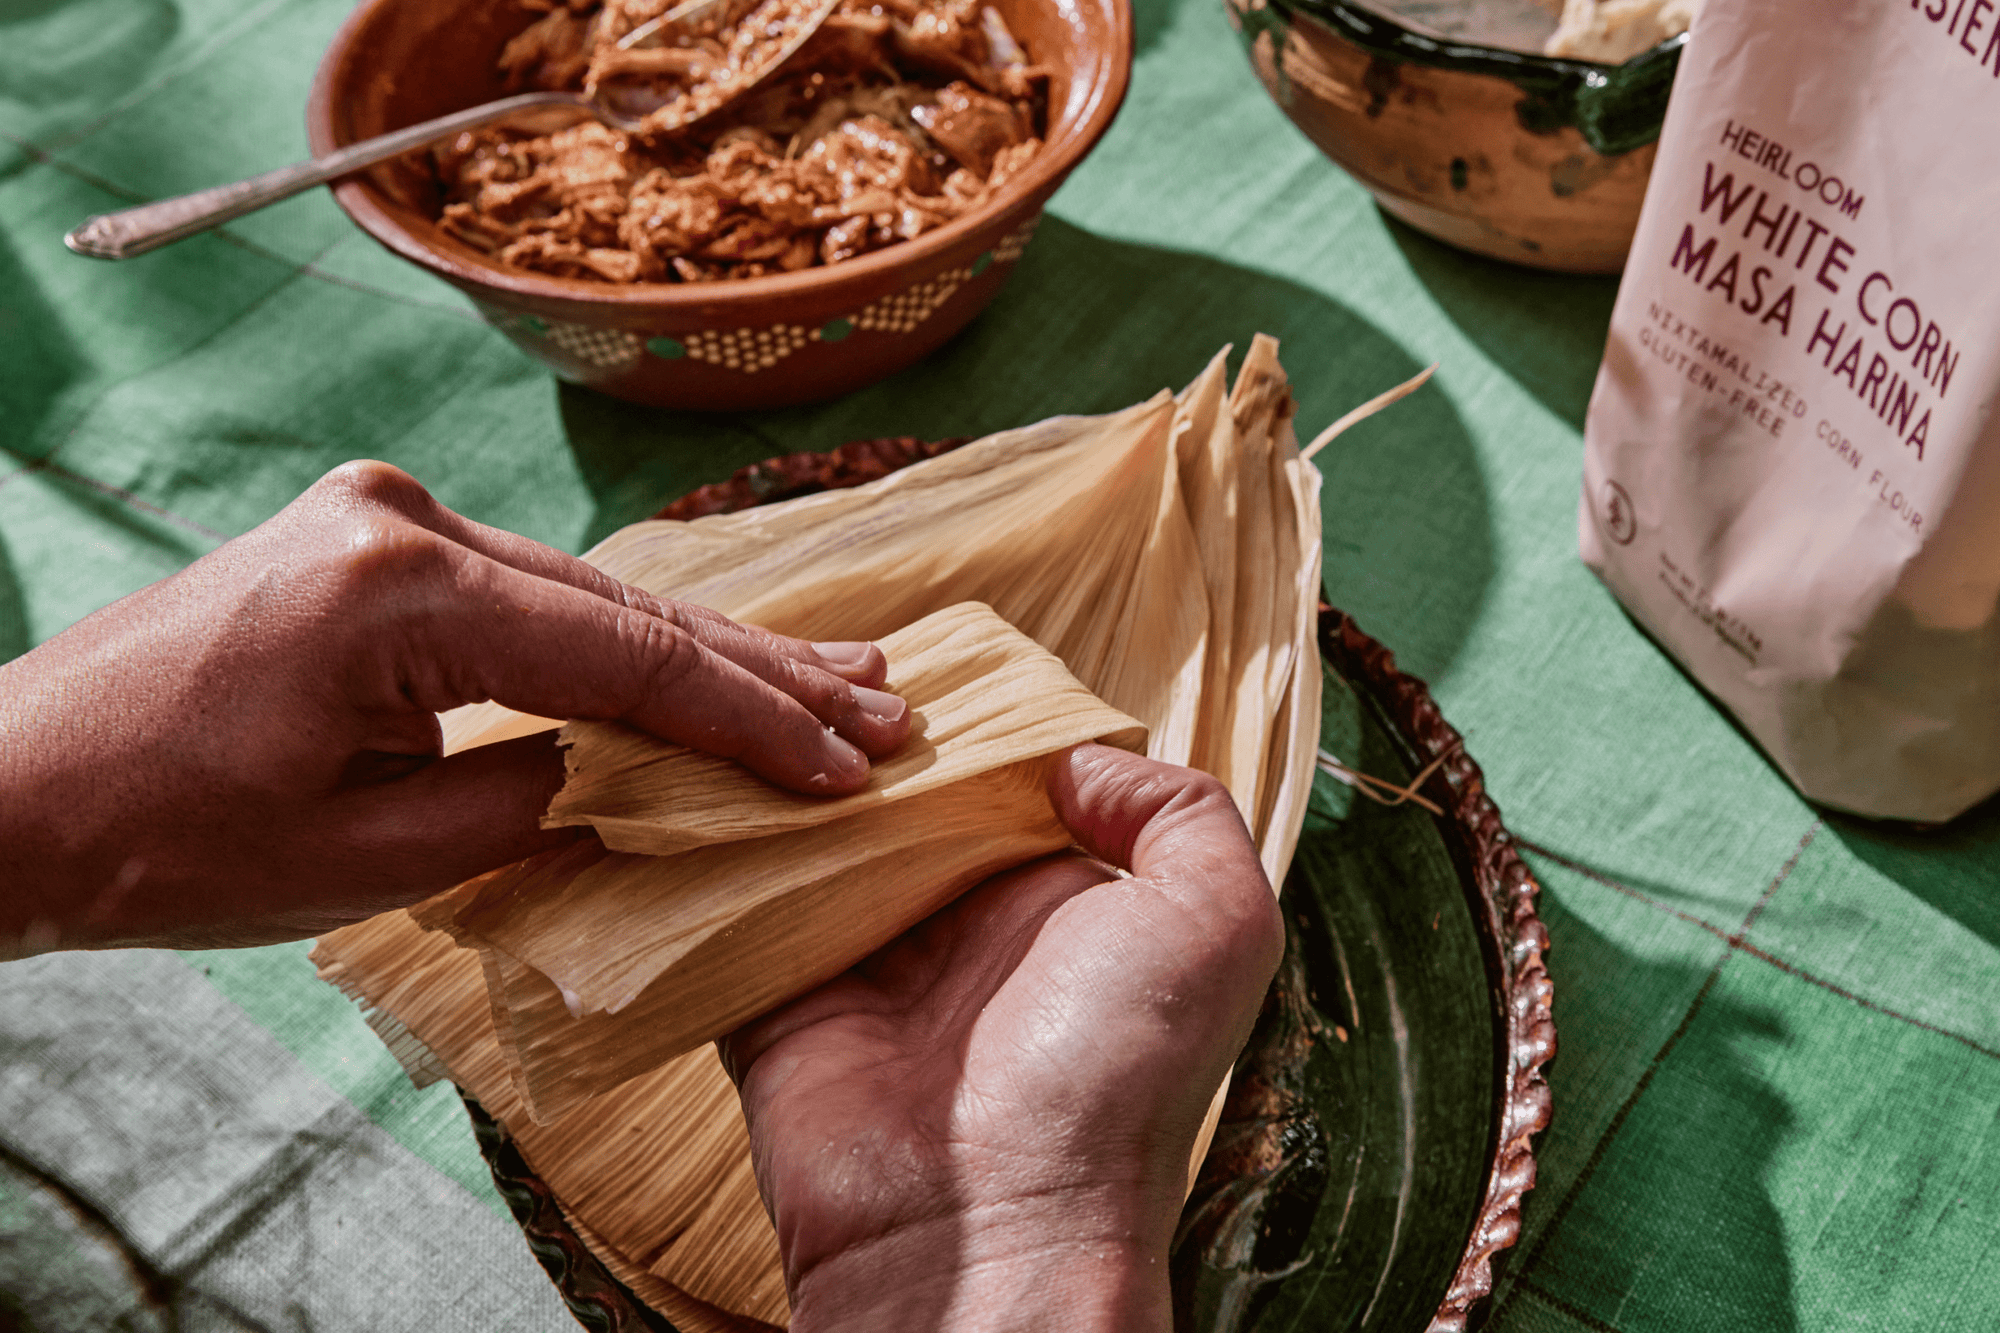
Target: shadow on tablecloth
[(1546, 330), (13, 615), (98, 54), (1948, 868)]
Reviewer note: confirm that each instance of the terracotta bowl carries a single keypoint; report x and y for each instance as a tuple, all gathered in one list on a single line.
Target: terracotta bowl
[(1527, 158), (723, 346)]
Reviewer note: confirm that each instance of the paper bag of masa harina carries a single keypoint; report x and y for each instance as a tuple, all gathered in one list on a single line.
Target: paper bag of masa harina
[(1792, 463)]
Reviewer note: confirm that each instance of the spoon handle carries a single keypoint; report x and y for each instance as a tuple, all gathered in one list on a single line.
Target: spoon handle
[(134, 231)]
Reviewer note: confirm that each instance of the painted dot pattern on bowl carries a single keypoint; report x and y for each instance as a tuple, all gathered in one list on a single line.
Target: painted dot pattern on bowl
[(1010, 247), (747, 350), (596, 347), (913, 305), (751, 350)]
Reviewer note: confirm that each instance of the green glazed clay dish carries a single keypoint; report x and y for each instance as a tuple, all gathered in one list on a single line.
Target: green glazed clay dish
[(1529, 158), (1375, 1145)]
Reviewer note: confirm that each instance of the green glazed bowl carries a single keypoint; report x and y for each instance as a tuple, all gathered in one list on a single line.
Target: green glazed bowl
[(1529, 158)]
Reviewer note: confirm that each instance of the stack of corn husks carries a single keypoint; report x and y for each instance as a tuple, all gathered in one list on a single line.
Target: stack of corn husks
[(1159, 569)]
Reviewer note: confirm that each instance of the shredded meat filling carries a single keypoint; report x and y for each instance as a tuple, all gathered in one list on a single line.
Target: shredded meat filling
[(894, 118)]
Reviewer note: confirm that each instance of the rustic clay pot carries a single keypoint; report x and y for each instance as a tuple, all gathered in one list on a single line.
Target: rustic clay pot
[(723, 346), (1527, 158)]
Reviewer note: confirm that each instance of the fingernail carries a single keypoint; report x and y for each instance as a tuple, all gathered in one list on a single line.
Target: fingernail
[(845, 654), (846, 760), (880, 705)]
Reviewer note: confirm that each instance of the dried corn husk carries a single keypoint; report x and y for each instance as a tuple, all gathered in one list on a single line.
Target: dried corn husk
[(981, 695), (602, 964), (977, 524), (1167, 554), (689, 1313), (732, 930), (632, 1170)]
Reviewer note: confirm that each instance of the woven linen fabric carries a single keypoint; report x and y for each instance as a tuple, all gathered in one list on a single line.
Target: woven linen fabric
[(1776, 1093)]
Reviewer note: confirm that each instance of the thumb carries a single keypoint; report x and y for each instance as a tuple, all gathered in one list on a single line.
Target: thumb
[(454, 818), (1178, 832)]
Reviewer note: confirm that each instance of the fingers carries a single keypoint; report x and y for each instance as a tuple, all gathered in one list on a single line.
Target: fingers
[(775, 658), (547, 649), (483, 614), (452, 819), (379, 488), (788, 664), (847, 701), (1178, 830)]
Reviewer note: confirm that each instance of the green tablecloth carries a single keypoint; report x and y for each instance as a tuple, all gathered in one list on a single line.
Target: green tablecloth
[(1778, 1091)]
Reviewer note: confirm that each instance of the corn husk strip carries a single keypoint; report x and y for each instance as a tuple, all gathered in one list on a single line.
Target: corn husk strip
[(731, 931), (981, 695), (449, 1013), (432, 989), (420, 1063), (1242, 474), (1368, 409), (1295, 730), (1206, 455), (603, 926), (1167, 611), (726, 1258), (689, 1314), (1254, 509), (933, 535), (1266, 548)]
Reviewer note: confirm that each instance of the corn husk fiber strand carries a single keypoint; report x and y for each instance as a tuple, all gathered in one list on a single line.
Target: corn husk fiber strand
[(688, 1313)]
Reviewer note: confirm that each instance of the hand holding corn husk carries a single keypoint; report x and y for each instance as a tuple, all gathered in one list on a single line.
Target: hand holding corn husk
[(249, 751), (990, 1122), (607, 959)]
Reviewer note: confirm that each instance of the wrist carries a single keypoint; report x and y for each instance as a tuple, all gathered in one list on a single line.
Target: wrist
[(35, 858), (1076, 1262)]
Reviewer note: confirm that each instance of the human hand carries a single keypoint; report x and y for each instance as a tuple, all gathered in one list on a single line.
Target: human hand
[(987, 1124), (248, 751)]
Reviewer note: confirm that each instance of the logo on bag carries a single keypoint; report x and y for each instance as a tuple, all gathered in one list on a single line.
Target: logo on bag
[(1614, 506)]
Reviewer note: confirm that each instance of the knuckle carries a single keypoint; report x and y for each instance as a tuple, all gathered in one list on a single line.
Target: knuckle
[(368, 483), (1192, 797), (668, 658), (824, 694), (1204, 791), (771, 659), (689, 616), (377, 553), (638, 599)]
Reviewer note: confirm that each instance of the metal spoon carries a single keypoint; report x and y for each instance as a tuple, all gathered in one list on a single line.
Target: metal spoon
[(134, 231)]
